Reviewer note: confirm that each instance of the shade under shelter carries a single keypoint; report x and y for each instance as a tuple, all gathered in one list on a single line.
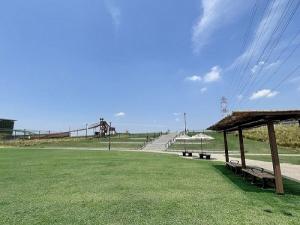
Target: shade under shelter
[(240, 120)]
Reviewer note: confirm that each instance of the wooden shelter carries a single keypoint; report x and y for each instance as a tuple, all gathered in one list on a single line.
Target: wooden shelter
[(238, 121)]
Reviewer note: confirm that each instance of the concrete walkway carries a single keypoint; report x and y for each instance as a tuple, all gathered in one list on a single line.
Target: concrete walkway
[(160, 144), (288, 170)]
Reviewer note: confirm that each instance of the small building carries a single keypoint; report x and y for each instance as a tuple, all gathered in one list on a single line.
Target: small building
[(6, 128)]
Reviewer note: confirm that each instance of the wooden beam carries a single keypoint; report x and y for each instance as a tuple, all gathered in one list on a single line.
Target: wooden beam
[(226, 146), (275, 158), (242, 149)]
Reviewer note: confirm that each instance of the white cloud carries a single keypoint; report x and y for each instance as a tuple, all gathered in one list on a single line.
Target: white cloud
[(264, 93), (194, 78), (177, 120), (257, 66), (215, 13), (176, 114), (204, 89), (240, 97), (272, 65), (213, 75), (114, 11), (120, 114)]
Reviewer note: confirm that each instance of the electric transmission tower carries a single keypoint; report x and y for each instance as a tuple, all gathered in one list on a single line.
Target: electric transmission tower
[(224, 109)]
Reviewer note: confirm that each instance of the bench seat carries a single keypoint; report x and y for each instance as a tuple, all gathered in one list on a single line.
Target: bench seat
[(234, 166), (258, 173), (189, 154), (206, 155)]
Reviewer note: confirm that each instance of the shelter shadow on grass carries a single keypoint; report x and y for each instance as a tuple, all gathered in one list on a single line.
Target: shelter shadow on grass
[(290, 186)]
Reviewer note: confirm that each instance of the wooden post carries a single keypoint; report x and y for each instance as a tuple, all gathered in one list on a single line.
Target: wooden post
[(275, 158), (226, 146), (242, 149)]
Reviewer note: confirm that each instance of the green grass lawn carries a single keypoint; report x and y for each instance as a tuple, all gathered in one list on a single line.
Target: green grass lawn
[(98, 187), (93, 143), (251, 146)]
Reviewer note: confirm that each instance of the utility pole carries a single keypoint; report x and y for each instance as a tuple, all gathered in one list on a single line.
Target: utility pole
[(109, 136), (184, 123), (100, 128), (86, 128)]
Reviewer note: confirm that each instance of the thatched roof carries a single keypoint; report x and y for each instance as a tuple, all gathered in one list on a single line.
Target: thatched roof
[(250, 119)]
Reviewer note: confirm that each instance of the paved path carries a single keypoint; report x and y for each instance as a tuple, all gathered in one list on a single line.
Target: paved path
[(160, 144), (288, 170)]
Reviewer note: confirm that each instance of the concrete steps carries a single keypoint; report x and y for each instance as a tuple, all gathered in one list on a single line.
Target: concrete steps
[(160, 144)]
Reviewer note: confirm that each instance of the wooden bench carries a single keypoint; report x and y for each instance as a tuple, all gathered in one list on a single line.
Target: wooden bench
[(235, 166), (206, 155), (189, 154), (258, 173)]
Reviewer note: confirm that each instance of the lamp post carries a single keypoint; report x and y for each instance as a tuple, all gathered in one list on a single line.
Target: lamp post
[(86, 128), (109, 144), (184, 123), (184, 114)]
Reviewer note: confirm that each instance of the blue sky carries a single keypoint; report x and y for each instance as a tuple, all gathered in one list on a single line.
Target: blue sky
[(142, 63)]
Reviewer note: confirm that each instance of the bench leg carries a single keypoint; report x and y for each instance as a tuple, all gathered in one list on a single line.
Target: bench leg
[(244, 175), (253, 180), (264, 183)]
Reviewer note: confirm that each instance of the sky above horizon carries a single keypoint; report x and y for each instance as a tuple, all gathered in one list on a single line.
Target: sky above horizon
[(141, 64)]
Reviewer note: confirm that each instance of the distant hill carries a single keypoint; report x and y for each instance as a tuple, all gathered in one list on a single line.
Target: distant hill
[(287, 134)]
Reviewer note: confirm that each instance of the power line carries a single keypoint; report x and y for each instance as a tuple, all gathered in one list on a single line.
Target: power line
[(286, 77), (266, 13), (282, 62), (264, 49), (246, 36), (275, 43)]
